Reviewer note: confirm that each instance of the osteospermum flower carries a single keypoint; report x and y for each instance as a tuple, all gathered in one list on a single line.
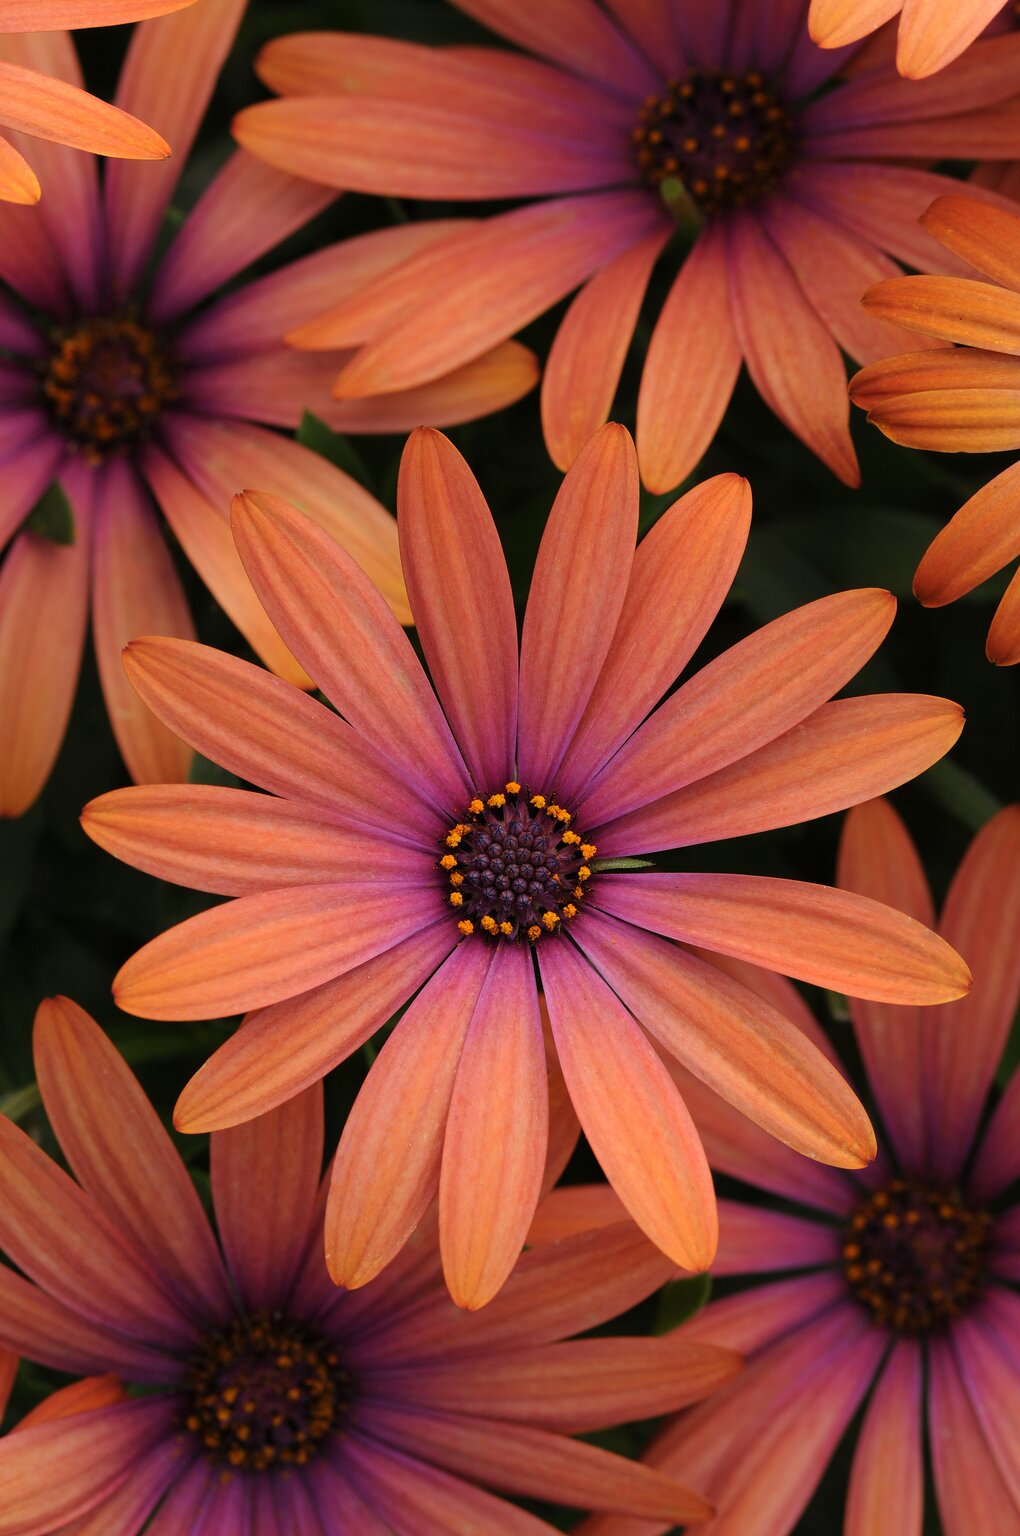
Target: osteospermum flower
[(41, 90), (896, 1290), (632, 117), (961, 399), (261, 1399), (110, 382), (456, 840), (932, 33)]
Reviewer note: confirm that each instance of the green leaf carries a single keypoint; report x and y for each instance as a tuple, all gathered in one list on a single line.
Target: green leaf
[(679, 1300), (599, 866), (315, 434), (52, 516)]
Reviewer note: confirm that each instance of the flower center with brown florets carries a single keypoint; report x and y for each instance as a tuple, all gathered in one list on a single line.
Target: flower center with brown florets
[(265, 1393), (105, 382), (516, 867), (725, 138), (914, 1255)]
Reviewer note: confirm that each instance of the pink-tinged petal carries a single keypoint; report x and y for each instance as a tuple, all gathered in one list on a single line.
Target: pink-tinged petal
[(203, 531), (35, 1325), (43, 602), (577, 595), (886, 1493), (964, 1043), (793, 361), (878, 96), (28, 470), (222, 457), (265, 1184), (135, 591), (734, 1041), (575, 34), (67, 1244), (635, 1120), (997, 1162), (990, 1372), (55, 1472), (976, 134), (270, 733), (415, 1499), (70, 215), (749, 696), (30, 260), (782, 994), (235, 842), (574, 1388), (932, 33), (757, 1316), (492, 85), (833, 23), (191, 1498), (687, 383), (972, 1495), (463, 607), (564, 1126), (559, 1289), (878, 859), (848, 751), (281, 1050), (755, 1241), (653, 26), (342, 631), (983, 235), (682, 571), (983, 536), (1003, 644), (519, 1459), (8, 1374), (168, 76), (246, 210), (478, 288), (574, 1208), (387, 1166), (494, 1145), (741, 1149), (435, 149), (830, 938), (270, 946), (587, 355), (120, 1154), (834, 267), (41, 15), (49, 108), (18, 181), (306, 1505)]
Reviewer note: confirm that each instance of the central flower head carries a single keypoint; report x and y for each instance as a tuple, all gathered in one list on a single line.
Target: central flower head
[(516, 867), (265, 1393), (915, 1255), (105, 382), (726, 138)]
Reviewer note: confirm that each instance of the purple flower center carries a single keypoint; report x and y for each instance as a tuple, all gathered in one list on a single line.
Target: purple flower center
[(105, 382), (915, 1255), (265, 1393), (726, 139), (517, 869)]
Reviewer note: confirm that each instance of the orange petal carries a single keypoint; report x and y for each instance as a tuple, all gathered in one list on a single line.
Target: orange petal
[(79, 1397), (939, 368), (53, 109), (953, 420), (60, 15), (934, 32), (986, 236), (959, 309), (833, 23), (1003, 644), (18, 181), (982, 538)]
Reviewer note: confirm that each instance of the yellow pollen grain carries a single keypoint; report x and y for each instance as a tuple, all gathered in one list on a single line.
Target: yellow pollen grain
[(453, 840), (457, 878), (476, 807), (538, 801), (489, 924), (534, 932), (588, 850), (448, 861), (506, 929), (466, 926), (571, 837), (456, 899), (570, 910), (584, 873), (512, 787), (496, 800)]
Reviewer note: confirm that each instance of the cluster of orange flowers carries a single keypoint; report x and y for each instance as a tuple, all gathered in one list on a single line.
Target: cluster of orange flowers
[(462, 846)]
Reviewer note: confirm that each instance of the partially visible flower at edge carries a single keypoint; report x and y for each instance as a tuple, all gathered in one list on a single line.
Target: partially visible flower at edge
[(112, 384), (932, 33), (903, 1293), (51, 104), (265, 1394), (960, 399), (452, 836), (722, 119)]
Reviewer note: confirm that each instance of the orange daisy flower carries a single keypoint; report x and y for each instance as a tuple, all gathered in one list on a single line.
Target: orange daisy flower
[(932, 33), (453, 837), (41, 90), (960, 399), (266, 1400), (121, 381), (622, 122)]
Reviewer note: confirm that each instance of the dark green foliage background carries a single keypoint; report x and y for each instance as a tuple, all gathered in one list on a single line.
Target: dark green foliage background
[(70, 915)]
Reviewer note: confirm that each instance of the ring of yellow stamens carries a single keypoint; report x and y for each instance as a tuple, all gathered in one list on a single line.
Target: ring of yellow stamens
[(515, 867)]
